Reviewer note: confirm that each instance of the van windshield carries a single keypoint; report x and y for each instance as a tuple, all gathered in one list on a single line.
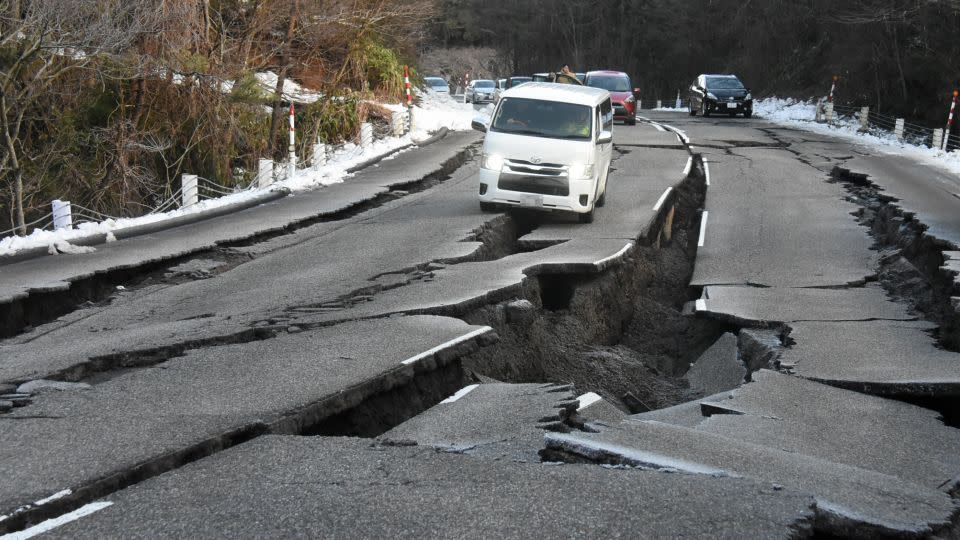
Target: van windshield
[(540, 118)]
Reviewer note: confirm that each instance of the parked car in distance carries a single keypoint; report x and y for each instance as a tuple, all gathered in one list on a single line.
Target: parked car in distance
[(720, 94), (479, 91), (542, 77), (547, 147), (581, 76), (437, 84), (509, 83), (621, 91)]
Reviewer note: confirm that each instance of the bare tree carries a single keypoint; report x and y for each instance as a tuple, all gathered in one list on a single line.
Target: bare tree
[(45, 40)]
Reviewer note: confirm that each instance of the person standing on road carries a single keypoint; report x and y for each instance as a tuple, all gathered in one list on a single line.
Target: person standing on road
[(565, 76)]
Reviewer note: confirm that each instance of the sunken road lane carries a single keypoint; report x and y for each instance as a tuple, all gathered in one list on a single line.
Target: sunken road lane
[(329, 381)]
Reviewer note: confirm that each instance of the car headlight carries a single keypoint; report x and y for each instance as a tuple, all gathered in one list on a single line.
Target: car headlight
[(748, 96), (578, 171), (630, 99), (492, 162), (711, 96)]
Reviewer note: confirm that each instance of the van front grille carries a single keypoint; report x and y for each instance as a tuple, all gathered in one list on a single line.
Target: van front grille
[(542, 185)]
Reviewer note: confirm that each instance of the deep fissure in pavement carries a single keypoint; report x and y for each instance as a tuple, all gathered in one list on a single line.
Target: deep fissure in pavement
[(623, 333), (911, 270), (911, 262), (40, 307)]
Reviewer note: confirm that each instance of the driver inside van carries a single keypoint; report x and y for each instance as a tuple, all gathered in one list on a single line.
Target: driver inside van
[(577, 125)]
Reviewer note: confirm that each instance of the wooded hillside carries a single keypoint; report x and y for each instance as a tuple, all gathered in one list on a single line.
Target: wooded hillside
[(106, 102), (899, 56)]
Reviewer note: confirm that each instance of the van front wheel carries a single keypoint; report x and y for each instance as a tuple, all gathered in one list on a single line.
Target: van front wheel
[(586, 218), (487, 207)]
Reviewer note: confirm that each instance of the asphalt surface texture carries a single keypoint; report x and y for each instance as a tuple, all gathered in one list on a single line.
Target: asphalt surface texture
[(222, 362)]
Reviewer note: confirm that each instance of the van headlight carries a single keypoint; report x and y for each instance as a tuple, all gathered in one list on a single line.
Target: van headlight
[(493, 162), (579, 171)]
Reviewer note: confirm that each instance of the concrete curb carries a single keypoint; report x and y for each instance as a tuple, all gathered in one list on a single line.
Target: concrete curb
[(441, 133), (150, 228)]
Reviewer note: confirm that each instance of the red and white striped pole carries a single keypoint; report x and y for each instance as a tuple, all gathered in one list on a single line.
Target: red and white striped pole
[(832, 88), (946, 132), (406, 82), (293, 148)]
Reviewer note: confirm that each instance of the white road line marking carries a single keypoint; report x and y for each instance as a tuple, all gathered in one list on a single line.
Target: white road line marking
[(460, 393), (706, 170), (614, 256), (454, 341), (55, 496), (658, 126), (661, 200), (587, 400), (703, 228), (701, 304), (53, 523), (688, 167)]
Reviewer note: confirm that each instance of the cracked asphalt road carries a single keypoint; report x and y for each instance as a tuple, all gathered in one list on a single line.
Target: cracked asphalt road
[(310, 323)]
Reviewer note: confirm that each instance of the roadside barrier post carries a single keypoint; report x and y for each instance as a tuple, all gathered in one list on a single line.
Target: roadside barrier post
[(366, 135), (679, 103), (937, 138), (898, 129), (293, 148), (833, 87), (864, 118), (406, 82), (946, 132), (829, 112), (190, 194), (319, 154), (659, 104), (398, 121), (819, 113), (264, 173), (62, 214)]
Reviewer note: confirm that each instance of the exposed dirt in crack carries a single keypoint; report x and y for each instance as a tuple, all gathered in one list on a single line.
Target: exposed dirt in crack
[(910, 270), (41, 307), (911, 261), (623, 334)]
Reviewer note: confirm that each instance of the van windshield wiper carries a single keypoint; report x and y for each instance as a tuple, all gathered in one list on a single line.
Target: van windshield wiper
[(523, 131)]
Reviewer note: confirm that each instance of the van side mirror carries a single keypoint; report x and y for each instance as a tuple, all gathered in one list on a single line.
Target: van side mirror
[(479, 125), (606, 137)]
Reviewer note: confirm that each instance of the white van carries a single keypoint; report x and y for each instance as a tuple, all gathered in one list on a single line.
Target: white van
[(548, 146)]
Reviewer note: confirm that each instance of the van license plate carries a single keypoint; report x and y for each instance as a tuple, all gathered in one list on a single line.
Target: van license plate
[(531, 200), (731, 105)]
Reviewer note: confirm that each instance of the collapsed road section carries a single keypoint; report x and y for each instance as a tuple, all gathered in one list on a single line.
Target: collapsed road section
[(212, 334), (486, 428)]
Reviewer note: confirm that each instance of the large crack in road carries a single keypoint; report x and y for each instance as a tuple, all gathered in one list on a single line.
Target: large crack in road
[(607, 311)]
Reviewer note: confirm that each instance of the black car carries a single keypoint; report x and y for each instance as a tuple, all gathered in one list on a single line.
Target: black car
[(721, 94)]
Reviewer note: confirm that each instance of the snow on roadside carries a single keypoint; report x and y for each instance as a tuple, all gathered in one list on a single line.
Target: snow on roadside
[(435, 112), (800, 115)]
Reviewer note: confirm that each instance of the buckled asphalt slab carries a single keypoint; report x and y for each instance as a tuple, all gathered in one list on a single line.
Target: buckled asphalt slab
[(848, 498), (336, 488), (19, 279), (494, 420), (151, 420), (774, 221)]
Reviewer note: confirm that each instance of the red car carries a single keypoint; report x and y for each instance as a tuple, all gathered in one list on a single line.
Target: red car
[(622, 93)]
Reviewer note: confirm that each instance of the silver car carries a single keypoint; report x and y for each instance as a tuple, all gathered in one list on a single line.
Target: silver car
[(480, 91), (437, 84)]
